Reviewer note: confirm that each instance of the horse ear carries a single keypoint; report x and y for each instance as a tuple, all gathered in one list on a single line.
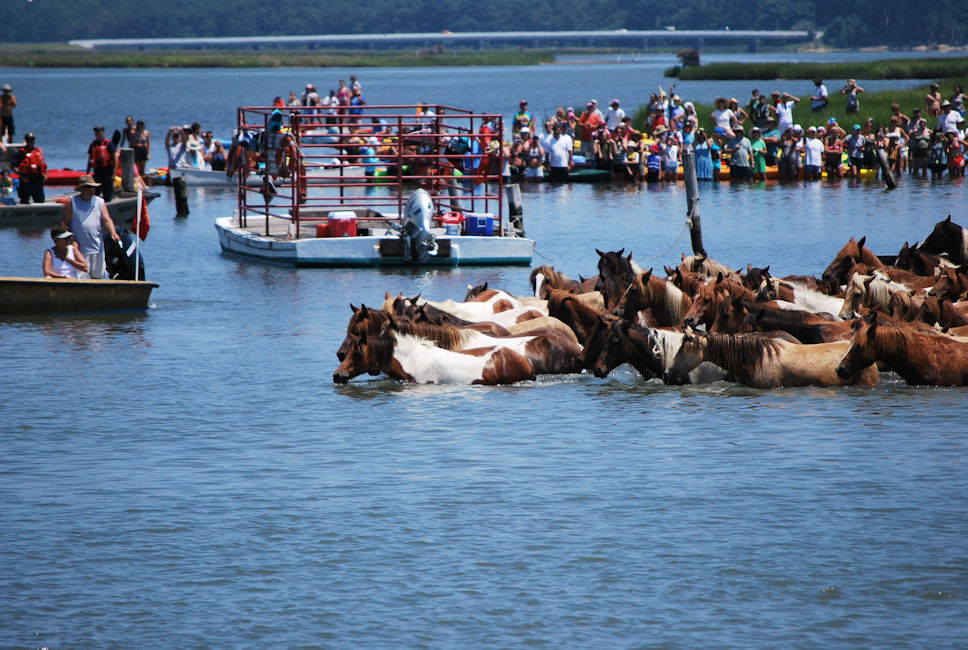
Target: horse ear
[(719, 277), (766, 271), (387, 296), (621, 252), (646, 275), (363, 310), (860, 243), (948, 220), (484, 287), (354, 309), (600, 253)]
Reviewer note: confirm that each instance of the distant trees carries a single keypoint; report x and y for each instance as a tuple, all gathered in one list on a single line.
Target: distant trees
[(844, 24)]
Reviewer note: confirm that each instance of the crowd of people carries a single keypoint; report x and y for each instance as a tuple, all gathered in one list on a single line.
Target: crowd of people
[(741, 141)]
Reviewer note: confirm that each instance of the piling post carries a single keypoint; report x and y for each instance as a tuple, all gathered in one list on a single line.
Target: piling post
[(181, 196), (692, 201), (515, 208), (127, 169)]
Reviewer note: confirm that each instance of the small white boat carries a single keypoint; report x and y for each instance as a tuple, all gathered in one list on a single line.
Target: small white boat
[(48, 215), (207, 177)]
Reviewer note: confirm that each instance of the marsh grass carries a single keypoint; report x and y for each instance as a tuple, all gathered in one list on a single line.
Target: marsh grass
[(932, 68)]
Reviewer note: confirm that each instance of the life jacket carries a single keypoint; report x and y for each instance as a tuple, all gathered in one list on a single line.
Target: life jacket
[(33, 162), (101, 155)]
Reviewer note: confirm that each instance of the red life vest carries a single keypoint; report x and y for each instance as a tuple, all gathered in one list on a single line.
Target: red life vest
[(101, 155), (33, 162)]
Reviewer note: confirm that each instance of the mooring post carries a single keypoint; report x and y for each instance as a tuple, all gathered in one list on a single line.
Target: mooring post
[(181, 196), (692, 201), (127, 169), (515, 208)]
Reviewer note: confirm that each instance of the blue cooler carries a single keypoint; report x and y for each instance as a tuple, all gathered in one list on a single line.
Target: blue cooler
[(478, 225)]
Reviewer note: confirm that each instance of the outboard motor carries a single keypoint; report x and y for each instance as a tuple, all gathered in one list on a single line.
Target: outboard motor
[(418, 242), (119, 257)]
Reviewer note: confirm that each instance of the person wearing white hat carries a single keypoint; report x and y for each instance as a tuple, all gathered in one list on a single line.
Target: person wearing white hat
[(64, 259), (8, 102)]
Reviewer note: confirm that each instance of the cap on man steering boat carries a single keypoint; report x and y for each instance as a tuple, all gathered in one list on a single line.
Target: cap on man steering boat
[(87, 181), (29, 136), (6, 88)]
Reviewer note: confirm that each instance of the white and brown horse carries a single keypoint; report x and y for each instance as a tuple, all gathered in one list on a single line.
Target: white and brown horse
[(416, 360)]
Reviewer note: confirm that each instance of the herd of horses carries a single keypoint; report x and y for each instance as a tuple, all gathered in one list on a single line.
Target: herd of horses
[(701, 323)]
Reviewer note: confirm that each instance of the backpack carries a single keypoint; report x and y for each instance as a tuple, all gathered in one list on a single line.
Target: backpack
[(458, 147)]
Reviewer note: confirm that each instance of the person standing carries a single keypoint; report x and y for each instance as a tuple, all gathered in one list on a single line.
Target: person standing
[(932, 102), (64, 259), (86, 215), (589, 121), (614, 115), (818, 101), (523, 119), (102, 163), (560, 156), (740, 156), (851, 89), (32, 169), (127, 133), (141, 143), (8, 102), (812, 155)]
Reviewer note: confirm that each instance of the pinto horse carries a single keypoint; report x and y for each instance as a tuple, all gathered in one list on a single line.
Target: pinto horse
[(854, 252), (947, 237), (665, 303), (766, 362), (412, 359), (919, 357)]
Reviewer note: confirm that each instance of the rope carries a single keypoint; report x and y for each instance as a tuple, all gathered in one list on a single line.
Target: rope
[(535, 249), (662, 254)]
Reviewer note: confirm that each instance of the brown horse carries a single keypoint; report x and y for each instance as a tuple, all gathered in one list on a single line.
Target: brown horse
[(708, 298), (854, 252), (767, 363), (567, 308), (710, 268), (919, 357), (687, 281), (948, 237), (615, 274), (951, 283), (664, 302), (546, 277), (412, 359), (920, 262), (805, 327)]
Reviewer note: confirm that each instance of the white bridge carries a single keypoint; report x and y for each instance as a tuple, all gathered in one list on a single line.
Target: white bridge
[(480, 40)]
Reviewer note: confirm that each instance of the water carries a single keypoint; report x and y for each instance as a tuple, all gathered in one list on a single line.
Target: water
[(191, 476)]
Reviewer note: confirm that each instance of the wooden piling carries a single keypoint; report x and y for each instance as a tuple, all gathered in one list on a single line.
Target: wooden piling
[(181, 196), (692, 201)]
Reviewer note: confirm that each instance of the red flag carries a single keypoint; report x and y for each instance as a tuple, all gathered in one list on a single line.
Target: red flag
[(142, 224)]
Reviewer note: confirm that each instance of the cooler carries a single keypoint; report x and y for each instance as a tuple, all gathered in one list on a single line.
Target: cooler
[(478, 224), (451, 222), (342, 224), (322, 230)]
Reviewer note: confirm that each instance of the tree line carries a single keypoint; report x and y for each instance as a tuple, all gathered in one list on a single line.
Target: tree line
[(856, 24)]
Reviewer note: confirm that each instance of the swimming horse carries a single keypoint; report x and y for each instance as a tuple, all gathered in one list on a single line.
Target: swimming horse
[(768, 362), (413, 359), (920, 357)]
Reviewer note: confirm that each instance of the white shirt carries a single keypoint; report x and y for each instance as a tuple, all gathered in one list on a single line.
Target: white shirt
[(784, 112), (949, 122), (813, 152), (613, 118), (560, 152)]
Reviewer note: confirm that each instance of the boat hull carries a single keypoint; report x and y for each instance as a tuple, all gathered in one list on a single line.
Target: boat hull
[(58, 296), (370, 250), (48, 215)]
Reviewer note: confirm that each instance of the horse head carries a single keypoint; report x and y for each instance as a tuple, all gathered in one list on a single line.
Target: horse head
[(473, 292), (862, 351), (689, 356)]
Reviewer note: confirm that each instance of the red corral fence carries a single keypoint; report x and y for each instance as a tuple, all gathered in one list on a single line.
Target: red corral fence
[(312, 161)]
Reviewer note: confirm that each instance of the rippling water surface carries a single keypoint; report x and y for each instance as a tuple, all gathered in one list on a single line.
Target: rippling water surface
[(191, 476)]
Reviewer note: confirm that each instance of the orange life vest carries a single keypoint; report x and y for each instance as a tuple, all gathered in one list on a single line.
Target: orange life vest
[(101, 155), (33, 162)]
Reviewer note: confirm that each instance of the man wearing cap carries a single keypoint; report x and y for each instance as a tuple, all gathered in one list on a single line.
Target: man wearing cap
[(771, 136), (102, 162), (855, 144), (949, 118), (818, 101), (32, 170), (64, 259), (8, 102), (523, 119), (86, 215), (614, 115), (589, 122), (812, 155), (740, 155)]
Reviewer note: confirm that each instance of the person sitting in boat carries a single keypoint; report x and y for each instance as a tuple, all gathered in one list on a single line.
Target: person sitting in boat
[(64, 259), (6, 188), (214, 152), (32, 169)]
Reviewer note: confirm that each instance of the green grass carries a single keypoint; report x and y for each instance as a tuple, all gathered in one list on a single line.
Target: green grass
[(65, 56), (874, 105), (936, 68)]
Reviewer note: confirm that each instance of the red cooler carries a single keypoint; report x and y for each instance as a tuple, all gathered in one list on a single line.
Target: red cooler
[(342, 224)]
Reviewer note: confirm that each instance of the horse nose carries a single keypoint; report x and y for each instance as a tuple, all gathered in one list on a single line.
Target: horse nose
[(600, 372), (339, 378), (690, 321), (667, 378), (842, 372)]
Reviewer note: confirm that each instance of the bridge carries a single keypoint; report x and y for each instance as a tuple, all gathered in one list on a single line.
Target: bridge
[(695, 39)]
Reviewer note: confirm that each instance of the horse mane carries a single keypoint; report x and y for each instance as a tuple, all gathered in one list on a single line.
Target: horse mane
[(744, 354), (668, 297), (381, 346), (890, 339), (668, 341), (444, 336)]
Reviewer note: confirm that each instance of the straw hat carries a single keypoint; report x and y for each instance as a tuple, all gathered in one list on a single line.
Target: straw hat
[(87, 181)]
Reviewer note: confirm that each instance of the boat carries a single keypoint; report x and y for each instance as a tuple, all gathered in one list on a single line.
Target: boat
[(435, 204), (47, 215), (61, 295), (195, 177)]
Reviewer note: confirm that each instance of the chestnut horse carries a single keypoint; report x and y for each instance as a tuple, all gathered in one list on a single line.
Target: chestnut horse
[(544, 277), (948, 237), (567, 308), (766, 362), (665, 303), (854, 252), (920, 357), (412, 359)]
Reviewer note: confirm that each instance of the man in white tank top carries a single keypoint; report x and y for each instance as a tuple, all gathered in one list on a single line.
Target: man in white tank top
[(64, 259), (86, 215)]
